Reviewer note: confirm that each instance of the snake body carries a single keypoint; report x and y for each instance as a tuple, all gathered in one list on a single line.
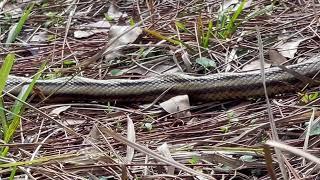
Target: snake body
[(215, 87)]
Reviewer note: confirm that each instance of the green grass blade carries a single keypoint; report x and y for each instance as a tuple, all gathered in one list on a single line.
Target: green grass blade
[(13, 173), (209, 32), (3, 117), (171, 40), (18, 108), (181, 26), (4, 72), (16, 29), (221, 23), (231, 27), (62, 157)]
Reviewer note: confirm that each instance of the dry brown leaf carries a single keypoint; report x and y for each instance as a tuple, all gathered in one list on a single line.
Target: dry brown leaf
[(40, 37), (254, 65), (101, 27), (288, 49), (177, 104), (57, 111), (93, 135), (275, 57), (117, 42), (114, 12), (164, 151), (186, 60), (131, 135)]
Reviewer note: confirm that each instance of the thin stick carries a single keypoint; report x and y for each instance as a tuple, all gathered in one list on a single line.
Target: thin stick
[(270, 114)]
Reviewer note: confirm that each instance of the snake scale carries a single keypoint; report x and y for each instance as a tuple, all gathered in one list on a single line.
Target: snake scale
[(215, 87)]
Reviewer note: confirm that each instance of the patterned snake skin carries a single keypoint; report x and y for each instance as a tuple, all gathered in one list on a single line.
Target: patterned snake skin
[(214, 87)]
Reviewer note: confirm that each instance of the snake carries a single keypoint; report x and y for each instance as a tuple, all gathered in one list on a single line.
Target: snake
[(213, 87)]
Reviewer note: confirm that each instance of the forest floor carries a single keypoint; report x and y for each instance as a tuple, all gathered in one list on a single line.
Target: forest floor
[(179, 138)]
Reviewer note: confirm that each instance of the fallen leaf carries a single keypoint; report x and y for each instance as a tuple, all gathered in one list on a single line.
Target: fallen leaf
[(93, 135), (232, 55), (177, 104), (101, 27), (276, 58), (117, 42), (114, 13), (206, 62), (288, 49), (116, 72), (186, 60), (131, 135), (98, 24), (59, 110), (164, 151), (314, 130), (83, 34), (40, 37), (254, 65)]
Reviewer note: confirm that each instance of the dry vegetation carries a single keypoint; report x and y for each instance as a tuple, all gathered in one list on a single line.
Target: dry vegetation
[(222, 140)]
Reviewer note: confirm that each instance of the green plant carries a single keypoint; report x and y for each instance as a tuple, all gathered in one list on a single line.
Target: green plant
[(206, 63), (309, 97), (4, 73), (226, 24), (169, 39), (19, 106), (16, 29), (194, 160), (107, 17), (205, 39)]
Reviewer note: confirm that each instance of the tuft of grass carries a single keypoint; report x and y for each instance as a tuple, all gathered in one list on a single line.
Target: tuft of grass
[(17, 110), (16, 29), (4, 73), (205, 39), (232, 27), (226, 24)]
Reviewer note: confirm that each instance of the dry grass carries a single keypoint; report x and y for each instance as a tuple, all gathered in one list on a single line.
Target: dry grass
[(223, 140)]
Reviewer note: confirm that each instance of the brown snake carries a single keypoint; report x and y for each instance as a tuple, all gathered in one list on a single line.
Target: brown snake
[(214, 87)]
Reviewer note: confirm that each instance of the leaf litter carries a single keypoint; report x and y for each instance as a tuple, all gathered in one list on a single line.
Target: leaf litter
[(199, 140)]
